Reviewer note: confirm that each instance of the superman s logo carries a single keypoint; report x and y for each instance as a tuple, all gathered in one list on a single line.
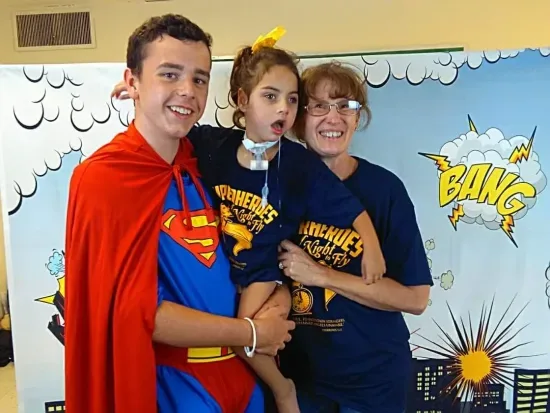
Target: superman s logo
[(201, 240)]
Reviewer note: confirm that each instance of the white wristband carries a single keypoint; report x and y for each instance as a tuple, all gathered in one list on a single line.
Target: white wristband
[(250, 351)]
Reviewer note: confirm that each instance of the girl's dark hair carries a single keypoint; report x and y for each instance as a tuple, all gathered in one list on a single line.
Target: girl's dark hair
[(248, 70)]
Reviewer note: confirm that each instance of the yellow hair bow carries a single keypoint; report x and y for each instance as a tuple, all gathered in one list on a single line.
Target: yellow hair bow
[(269, 39)]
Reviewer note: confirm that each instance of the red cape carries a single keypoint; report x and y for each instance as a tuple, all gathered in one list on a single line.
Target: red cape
[(116, 197)]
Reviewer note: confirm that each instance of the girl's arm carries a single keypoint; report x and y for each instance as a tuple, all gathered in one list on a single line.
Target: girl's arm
[(254, 297), (331, 203), (373, 265), (280, 299), (181, 326)]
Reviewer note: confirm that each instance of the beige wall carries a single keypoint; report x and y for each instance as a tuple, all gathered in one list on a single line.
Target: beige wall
[(314, 26)]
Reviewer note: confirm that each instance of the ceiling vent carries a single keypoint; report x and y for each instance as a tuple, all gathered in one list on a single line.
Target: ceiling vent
[(54, 30)]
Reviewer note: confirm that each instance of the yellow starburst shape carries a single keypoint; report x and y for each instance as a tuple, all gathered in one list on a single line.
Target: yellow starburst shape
[(478, 358)]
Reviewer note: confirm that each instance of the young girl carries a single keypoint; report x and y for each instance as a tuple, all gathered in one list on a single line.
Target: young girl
[(267, 185)]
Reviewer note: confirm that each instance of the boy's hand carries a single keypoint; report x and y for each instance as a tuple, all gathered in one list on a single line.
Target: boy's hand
[(272, 331), (118, 91)]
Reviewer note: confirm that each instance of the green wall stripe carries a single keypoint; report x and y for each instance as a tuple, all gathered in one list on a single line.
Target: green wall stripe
[(384, 52)]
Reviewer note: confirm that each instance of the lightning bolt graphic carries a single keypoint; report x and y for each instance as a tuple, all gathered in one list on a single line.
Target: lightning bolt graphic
[(507, 225), (441, 161), (523, 152), (329, 295), (458, 212)]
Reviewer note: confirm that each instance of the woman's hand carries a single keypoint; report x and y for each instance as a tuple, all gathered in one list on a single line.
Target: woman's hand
[(120, 91), (299, 266)]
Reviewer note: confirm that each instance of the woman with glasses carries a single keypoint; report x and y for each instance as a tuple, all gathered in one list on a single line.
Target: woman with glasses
[(350, 350)]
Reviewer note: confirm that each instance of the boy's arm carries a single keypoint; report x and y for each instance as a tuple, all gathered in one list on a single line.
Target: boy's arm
[(120, 91), (180, 326), (174, 324)]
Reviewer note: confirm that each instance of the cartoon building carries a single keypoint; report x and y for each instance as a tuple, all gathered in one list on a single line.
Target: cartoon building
[(427, 392), (531, 390), (489, 400), (54, 407)]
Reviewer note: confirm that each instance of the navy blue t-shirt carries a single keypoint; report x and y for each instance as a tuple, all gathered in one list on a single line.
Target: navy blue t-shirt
[(300, 186), (358, 356)]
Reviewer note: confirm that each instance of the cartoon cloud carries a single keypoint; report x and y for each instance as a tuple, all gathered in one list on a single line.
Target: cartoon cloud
[(447, 280), (59, 113), (490, 180)]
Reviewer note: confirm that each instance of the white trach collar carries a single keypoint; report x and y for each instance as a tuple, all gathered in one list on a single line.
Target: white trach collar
[(251, 145)]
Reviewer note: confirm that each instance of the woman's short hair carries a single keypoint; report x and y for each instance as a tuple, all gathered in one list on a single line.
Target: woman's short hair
[(347, 82)]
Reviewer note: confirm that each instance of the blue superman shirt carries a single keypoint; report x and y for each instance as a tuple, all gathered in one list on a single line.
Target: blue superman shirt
[(194, 271)]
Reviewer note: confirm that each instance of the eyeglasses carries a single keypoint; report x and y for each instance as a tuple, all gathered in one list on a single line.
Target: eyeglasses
[(347, 107)]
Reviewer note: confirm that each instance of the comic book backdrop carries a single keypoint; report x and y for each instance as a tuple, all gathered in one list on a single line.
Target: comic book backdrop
[(468, 133)]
